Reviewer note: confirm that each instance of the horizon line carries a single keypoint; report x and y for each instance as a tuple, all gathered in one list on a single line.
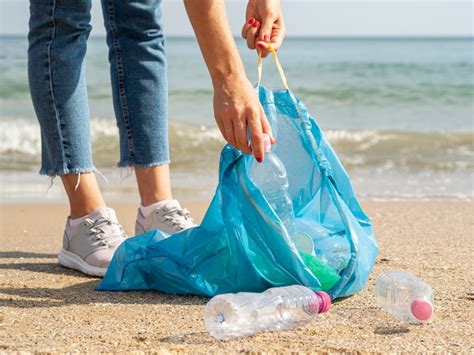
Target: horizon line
[(343, 37)]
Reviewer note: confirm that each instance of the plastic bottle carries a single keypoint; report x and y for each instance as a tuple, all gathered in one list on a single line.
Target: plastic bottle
[(407, 298), (271, 178), (332, 248), (235, 315)]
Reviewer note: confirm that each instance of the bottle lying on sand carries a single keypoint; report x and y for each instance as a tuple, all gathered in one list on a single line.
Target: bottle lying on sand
[(235, 315), (407, 298)]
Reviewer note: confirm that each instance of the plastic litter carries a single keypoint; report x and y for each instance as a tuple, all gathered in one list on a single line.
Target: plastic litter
[(271, 178), (331, 247), (404, 296), (235, 315)]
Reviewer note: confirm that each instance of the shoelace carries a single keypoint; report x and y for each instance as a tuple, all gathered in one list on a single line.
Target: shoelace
[(97, 231), (179, 217)]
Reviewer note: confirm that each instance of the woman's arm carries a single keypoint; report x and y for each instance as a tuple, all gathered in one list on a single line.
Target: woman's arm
[(236, 105)]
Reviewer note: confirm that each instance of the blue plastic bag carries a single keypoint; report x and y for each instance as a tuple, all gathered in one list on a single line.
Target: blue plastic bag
[(241, 244)]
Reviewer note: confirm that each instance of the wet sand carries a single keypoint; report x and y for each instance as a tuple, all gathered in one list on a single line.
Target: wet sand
[(47, 308)]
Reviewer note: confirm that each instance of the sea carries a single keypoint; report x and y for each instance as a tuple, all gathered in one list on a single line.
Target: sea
[(398, 111)]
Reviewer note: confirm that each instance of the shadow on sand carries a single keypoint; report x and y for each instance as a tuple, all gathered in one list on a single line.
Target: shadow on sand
[(189, 338), (391, 330), (82, 292), (22, 254)]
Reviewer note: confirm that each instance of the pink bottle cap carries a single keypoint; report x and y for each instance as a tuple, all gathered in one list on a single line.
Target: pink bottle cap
[(267, 143), (421, 309), (324, 304)]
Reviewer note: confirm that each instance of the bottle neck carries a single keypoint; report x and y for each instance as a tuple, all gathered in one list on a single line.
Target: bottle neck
[(322, 303)]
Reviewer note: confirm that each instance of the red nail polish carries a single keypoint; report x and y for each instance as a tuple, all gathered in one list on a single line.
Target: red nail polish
[(251, 21), (256, 24), (259, 45), (265, 38), (259, 159)]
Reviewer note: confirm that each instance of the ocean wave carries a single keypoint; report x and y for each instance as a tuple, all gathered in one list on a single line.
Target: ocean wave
[(395, 94), (20, 143), (365, 94), (404, 149), (195, 146)]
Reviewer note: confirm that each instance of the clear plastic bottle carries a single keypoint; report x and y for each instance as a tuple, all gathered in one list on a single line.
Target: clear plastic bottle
[(407, 298), (271, 178), (235, 315)]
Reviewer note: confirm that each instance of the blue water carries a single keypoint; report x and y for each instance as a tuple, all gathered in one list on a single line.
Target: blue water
[(394, 109)]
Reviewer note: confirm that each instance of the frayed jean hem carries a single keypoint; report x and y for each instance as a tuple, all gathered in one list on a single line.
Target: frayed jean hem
[(75, 171), (53, 173), (138, 165)]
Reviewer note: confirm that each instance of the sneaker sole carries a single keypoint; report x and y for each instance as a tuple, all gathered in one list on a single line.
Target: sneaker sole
[(73, 261)]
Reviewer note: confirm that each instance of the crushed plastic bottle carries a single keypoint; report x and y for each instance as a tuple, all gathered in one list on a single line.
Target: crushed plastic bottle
[(271, 178), (230, 316), (331, 247), (407, 298)]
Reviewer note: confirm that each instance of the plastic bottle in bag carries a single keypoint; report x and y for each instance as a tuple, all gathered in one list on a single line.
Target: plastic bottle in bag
[(407, 298), (234, 315), (332, 249), (271, 178)]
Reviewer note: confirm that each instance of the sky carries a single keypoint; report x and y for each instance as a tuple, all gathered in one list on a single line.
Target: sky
[(306, 18)]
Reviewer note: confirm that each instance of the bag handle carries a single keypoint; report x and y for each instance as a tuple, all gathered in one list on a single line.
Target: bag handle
[(324, 165), (277, 63)]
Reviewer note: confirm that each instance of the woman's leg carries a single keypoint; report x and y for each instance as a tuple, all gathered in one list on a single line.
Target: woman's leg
[(56, 69), (140, 93), (139, 86)]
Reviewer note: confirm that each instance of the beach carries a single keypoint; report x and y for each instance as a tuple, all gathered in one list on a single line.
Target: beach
[(47, 308), (398, 113)]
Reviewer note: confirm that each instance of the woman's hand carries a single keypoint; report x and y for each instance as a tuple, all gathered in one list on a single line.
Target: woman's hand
[(264, 24), (237, 109)]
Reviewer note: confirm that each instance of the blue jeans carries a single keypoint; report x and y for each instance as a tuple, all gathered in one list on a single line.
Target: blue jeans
[(56, 69)]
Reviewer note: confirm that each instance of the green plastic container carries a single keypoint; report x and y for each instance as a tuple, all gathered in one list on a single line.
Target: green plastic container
[(326, 275)]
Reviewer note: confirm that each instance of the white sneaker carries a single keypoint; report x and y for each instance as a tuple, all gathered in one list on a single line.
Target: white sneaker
[(167, 216), (90, 242)]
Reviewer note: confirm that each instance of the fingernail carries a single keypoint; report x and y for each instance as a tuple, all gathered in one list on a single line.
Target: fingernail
[(265, 38), (251, 21), (259, 159), (260, 45), (256, 24)]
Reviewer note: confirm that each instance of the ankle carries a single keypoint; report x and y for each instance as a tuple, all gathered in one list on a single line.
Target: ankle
[(83, 192), (153, 184), (151, 200), (85, 209)]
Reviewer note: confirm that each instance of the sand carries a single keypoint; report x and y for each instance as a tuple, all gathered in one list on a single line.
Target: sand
[(47, 308)]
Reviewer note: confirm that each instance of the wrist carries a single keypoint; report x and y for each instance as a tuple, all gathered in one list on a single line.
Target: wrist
[(222, 76)]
